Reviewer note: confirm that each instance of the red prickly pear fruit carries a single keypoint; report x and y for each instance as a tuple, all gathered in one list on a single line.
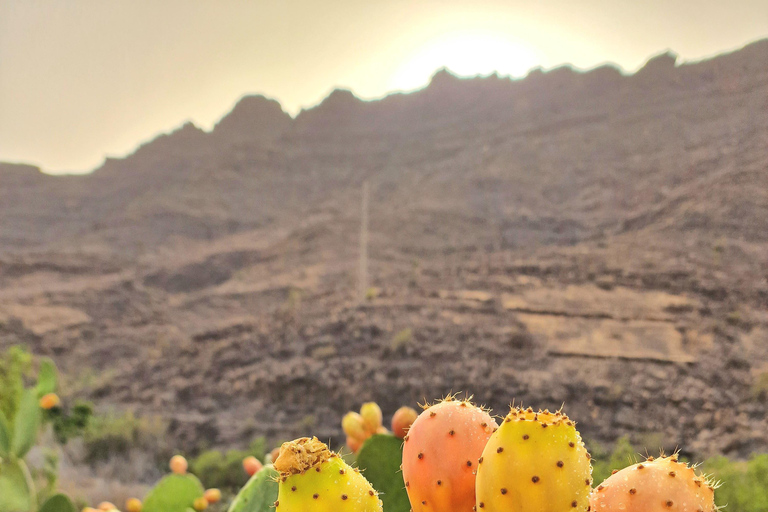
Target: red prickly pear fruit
[(372, 417), (440, 455), (656, 485), (352, 424), (402, 421), (251, 465)]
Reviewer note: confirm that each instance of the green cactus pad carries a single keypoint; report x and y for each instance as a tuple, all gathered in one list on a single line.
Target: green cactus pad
[(259, 494), (58, 503), (46, 378), (14, 489), (26, 424), (174, 493), (379, 459)]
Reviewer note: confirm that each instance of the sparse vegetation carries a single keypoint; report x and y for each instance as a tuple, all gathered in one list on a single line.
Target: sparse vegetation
[(401, 339), (224, 470)]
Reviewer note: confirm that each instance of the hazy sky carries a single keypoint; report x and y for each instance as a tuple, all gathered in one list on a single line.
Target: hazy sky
[(81, 79)]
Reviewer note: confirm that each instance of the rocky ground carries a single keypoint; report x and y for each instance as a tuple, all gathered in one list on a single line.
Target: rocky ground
[(593, 239)]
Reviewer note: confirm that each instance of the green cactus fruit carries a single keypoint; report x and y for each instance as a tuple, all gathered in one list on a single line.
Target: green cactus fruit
[(379, 460), (259, 494), (534, 462), (656, 485), (15, 491), (174, 493), (440, 455), (314, 479), (58, 503)]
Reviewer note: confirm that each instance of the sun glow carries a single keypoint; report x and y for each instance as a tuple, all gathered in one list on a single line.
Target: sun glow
[(465, 53)]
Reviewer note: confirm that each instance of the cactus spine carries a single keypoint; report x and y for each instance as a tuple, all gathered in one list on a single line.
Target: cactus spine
[(656, 485), (534, 462), (314, 479), (440, 455)]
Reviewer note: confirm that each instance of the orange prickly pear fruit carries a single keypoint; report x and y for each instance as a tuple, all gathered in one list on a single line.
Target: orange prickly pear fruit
[(440, 455), (133, 505), (372, 417), (105, 506), (354, 444), (178, 465), (200, 504), (402, 421), (352, 424), (656, 485), (50, 401), (252, 465), (212, 495)]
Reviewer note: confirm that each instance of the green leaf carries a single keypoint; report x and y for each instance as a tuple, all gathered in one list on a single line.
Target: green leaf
[(15, 494), (174, 493), (46, 378), (259, 494), (58, 503), (5, 436), (26, 424), (379, 459)]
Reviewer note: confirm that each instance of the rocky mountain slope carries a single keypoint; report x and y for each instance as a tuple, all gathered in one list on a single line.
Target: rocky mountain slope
[(588, 237)]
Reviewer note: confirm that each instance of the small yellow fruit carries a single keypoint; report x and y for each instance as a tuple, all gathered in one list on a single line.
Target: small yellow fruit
[(90, 509), (352, 425), (372, 417), (133, 505), (200, 504), (106, 506), (50, 401), (212, 495), (252, 465), (179, 465)]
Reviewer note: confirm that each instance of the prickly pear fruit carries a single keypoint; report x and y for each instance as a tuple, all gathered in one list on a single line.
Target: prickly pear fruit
[(655, 485), (212, 495), (402, 421), (178, 465), (200, 504), (534, 462), (133, 505), (372, 417), (50, 401), (352, 424), (314, 479), (440, 455), (105, 505), (252, 465)]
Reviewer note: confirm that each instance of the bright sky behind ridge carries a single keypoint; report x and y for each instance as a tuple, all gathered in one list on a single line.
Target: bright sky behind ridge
[(81, 79)]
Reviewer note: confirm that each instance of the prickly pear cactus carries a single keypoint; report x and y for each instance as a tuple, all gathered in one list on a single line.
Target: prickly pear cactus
[(314, 479), (656, 485), (15, 493), (379, 459), (58, 503), (259, 494), (440, 455), (534, 462), (174, 493)]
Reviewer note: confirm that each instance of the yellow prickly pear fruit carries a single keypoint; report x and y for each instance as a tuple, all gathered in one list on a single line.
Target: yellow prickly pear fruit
[(200, 504), (534, 462), (50, 401), (133, 505), (372, 417), (212, 495), (314, 479), (90, 509), (178, 465), (352, 424), (655, 485)]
